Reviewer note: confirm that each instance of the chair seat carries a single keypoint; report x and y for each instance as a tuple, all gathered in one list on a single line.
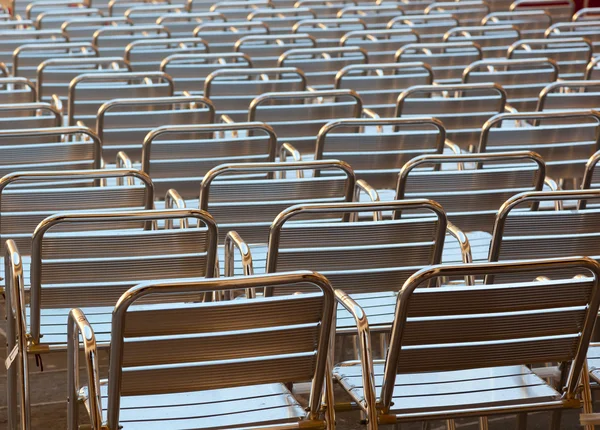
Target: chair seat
[(228, 408), (454, 390)]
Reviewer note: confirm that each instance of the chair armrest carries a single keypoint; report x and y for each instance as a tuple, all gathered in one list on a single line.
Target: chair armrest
[(234, 240), (465, 247), (364, 348), (363, 186), (77, 324), (174, 200)]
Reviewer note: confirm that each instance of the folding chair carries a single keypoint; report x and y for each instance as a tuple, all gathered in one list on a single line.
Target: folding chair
[(490, 335), (26, 116), (447, 60), (463, 111), (112, 41), (149, 13), (326, 9), (565, 139), (245, 198), (12, 39), (468, 13), (238, 10), (493, 40), (321, 65), (83, 29), (88, 92), (27, 58), (328, 32), (245, 378), (281, 20), (189, 71), (559, 10), (381, 45), (264, 51), (16, 90), (70, 270), (297, 117), (532, 24), (148, 54), (571, 54), (375, 17), (122, 124), (590, 30), (54, 18), (521, 79), (55, 75), (178, 156), (569, 95), (430, 28), (222, 36), (184, 24), (379, 85)]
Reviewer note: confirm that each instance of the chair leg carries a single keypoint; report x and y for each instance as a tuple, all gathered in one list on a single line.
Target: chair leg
[(522, 421)]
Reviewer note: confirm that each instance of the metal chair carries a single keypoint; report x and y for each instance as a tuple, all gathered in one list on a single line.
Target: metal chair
[(70, 270), (521, 79), (148, 54), (122, 124), (83, 29), (222, 36), (119, 7), (381, 45), (265, 51), (463, 111), (238, 10), (410, 7), (233, 90), (111, 41), (532, 24), (54, 18), (375, 17), (493, 40), (281, 20), (430, 28), (11, 39), (297, 117), (184, 24), (586, 13), (569, 95), (587, 29), (27, 116), (16, 90), (326, 9), (149, 13), (379, 85), (328, 32), (559, 10), (244, 378), (447, 60), (468, 13), (505, 327)]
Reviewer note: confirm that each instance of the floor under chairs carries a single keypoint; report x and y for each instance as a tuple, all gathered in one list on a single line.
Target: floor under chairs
[(381, 148)]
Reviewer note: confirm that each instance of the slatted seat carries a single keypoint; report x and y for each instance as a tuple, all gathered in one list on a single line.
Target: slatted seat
[(493, 40), (15, 90), (375, 17), (379, 85), (178, 157), (69, 269), (587, 29), (12, 39), (55, 75), (123, 123), (233, 90), (381, 45), (467, 12), (326, 9), (430, 28), (112, 41), (571, 54), (222, 36), (559, 10), (149, 13), (328, 32), (506, 327), (532, 24), (83, 29), (281, 20), (463, 111), (264, 51), (27, 58), (447, 60), (189, 71), (246, 384), (564, 139), (321, 65), (54, 18), (523, 80), (247, 197), (569, 95), (27, 116), (88, 92), (184, 24), (148, 54), (297, 117)]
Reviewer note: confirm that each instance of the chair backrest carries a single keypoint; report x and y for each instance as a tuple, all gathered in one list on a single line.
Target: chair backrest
[(55, 75), (297, 117), (276, 340), (588, 29), (327, 9), (148, 54), (111, 41), (471, 197), (233, 90), (564, 139), (148, 13), (26, 116), (321, 65), (521, 79), (34, 8), (559, 10), (532, 24), (89, 91), (119, 7), (264, 51), (467, 12), (379, 85), (83, 29), (70, 270), (569, 95), (358, 257), (189, 71), (178, 157), (520, 323), (222, 36), (328, 32), (122, 124), (380, 45), (447, 60), (383, 146), (28, 196), (494, 40), (463, 111), (12, 39), (410, 7), (27, 58), (247, 197), (184, 24), (238, 10), (281, 20), (54, 18), (375, 17), (587, 14), (571, 54), (430, 28), (14, 90)]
